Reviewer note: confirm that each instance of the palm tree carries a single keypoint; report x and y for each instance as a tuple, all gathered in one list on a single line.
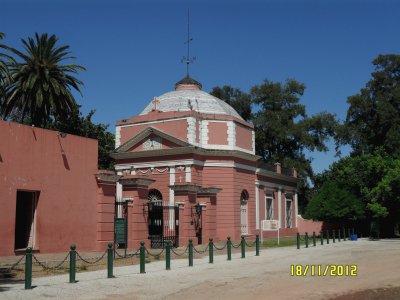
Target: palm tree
[(41, 87), (5, 77)]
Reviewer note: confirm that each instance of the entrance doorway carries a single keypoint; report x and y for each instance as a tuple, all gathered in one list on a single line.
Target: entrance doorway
[(163, 221), (25, 231)]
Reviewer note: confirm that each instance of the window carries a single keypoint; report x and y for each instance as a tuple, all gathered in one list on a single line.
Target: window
[(269, 207), (244, 197), (154, 196)]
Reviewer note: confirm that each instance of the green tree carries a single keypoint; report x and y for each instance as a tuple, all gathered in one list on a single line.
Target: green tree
[(334, 203), (373, 116), (239, 100), (42, 83), (373, 178), (5, 76), (284, 131)]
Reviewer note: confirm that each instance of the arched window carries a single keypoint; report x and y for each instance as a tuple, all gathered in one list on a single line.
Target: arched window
[(244, 198), (154, 196)]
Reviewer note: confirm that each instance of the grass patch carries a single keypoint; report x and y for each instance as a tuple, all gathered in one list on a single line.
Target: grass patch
[(283, 242)]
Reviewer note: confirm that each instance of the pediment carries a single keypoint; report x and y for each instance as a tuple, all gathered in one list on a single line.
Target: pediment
[(151, 139)]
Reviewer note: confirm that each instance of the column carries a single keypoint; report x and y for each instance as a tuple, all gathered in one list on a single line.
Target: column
[(171, 196), (296, 208), (257, 207), (280, 207)]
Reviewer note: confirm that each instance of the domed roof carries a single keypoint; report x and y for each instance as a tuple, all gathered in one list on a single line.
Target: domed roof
[(188, 96)]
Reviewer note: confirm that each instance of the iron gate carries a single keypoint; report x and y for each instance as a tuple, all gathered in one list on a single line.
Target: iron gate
[(163, 224)]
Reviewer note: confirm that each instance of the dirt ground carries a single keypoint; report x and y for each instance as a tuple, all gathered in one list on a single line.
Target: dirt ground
[(267, 276)]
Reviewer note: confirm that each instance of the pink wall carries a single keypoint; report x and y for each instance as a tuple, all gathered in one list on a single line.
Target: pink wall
[(105, 216), (217, 133), (176, 128), (62, 171), (244, 137)]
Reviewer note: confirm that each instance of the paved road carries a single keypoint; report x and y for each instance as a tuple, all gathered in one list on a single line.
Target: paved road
[(265, 277)]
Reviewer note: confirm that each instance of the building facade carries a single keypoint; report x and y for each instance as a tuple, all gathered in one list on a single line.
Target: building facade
[(187, 167), (50, 192)]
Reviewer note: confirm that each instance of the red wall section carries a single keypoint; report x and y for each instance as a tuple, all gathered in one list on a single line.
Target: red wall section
[(217, 133), (176, 128), (244, 137), (105, 216), (62, 170)]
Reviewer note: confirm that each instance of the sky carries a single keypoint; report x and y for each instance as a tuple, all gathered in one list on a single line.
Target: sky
[(132, 50)]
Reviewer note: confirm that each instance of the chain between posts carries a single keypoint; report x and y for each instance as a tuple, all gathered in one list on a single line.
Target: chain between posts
[(250, 245), (11, 267), (91, 262), (128, 255), (222, 248), (236, 246), (179, 254), (201, 251), (44, 267), (154, 255)]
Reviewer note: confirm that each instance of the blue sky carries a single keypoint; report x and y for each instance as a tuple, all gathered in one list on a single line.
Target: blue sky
[(132, 49)]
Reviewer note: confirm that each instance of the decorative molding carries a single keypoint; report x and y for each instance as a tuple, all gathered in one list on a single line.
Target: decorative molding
[(152, 143), (144, 134), (117, 136), (191, 131), (153, 122)]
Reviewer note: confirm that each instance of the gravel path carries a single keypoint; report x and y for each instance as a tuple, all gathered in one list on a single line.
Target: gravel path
[(265, 277)]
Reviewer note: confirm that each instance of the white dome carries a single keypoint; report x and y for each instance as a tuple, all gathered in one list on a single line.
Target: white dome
[(191, 99)]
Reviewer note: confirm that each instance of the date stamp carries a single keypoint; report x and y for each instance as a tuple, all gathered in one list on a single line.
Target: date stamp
[(323, 270)]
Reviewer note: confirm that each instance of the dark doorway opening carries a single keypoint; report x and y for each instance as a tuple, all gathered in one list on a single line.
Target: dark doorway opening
[(25, 219)]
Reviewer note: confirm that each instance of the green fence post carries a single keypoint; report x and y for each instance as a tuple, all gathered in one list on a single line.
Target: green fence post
[(142, 258), (168, 255), (243, 244), (110, 261), (210, 251), (257, 245), (28, 268), (190, 253), (313, 239), (338, 235), (72, 264), (228, 248), (333, 236), (321, 236), (306, 238), (327, 236), (344, 234), (298, 240)]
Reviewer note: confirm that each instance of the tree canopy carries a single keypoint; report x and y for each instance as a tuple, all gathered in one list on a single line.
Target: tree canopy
[(40, 90), (283, 129), (373, 116), (368, 182), (239, 100)]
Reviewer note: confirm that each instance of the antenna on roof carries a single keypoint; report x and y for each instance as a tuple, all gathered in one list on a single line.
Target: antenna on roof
[(187, 58)]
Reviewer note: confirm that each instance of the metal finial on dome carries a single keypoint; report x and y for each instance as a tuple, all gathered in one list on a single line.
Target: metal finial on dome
[(189, 60)]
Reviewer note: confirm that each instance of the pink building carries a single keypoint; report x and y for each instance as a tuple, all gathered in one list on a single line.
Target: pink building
[(187, 167), (50, 196)]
